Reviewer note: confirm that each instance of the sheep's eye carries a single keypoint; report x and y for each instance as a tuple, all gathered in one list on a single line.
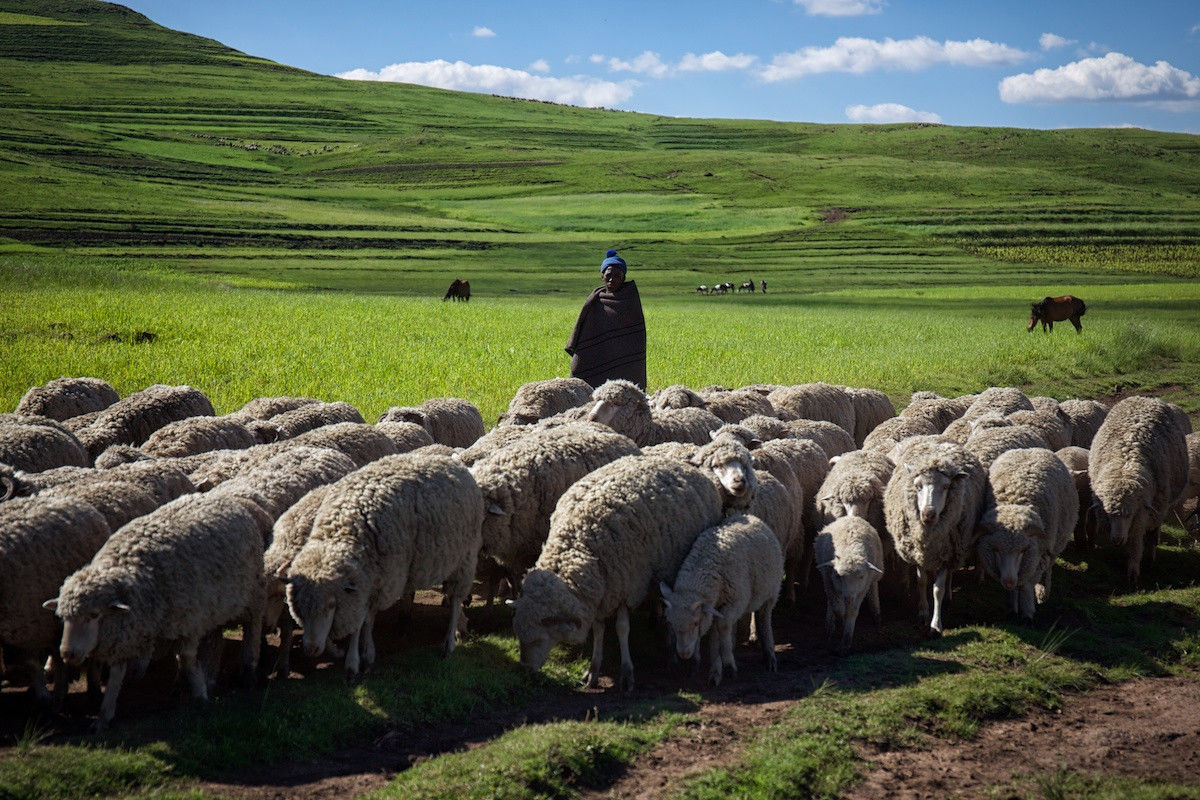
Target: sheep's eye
[(93, 614)]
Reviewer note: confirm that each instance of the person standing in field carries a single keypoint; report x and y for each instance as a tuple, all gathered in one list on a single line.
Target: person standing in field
[(609, 339)]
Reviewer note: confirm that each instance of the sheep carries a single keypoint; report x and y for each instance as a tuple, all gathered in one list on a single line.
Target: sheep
[(132, 419), (1192, 489), (1002, 399), (540, 399), (1138, 468), (1086, 417), (117, 501), (888, 433), (849, 556), (1054, 429), (677, 396), (782, 508), (854, 487), (736, 405), (522, 483), (938, 411), (871, 408), (187, 437), (168, 579), (684, 451), (303, 419), (766, 427), (615, 534), (1075, 459), (401, 523), (833, 439), (817, 401), (289, 475), (42, 541), (36, 444), (63, 398), (264, 408), (1045, 404), (988, 443), (622, 406), (407, 436), (161, 479), (931, 505), (449, 420), (117, 454), (1031, 511), (732, 568), (82, 421), (497, 438)]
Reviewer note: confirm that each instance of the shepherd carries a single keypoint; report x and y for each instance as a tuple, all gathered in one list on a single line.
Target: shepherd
[(1056, 309), (609, 339)]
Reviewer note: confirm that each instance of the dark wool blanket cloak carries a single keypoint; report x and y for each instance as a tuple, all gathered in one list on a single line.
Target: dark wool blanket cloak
[(609, 340)]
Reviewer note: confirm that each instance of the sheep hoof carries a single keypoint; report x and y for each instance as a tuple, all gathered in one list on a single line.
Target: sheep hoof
[(100, 725), (771, 662), (714, 677), (626, 678), (934, 633)]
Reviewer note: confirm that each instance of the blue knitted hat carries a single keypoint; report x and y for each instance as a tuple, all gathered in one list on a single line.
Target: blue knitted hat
[(611, 259)]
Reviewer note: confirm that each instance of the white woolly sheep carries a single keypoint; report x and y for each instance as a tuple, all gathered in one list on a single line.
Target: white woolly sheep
[(521, 485), (736, 405), (766, 427), (161, 479), (73, 424), (407, 436), (1030, 514), (537, 400), (615, 535), (497, 438), (449, 420), (622, 406), (937, 411), (1003, 400), (784, 515), (677, 396), (854, 487), (890, 432), (849, 556), (36, 444), (1087, 529), (1055, 430), (289, 475), (132, 419), (63, 398), (931, 505), (732, 569), (988, 443), (303, 419), (1138, 468), (1086, 417), (167, 580), (263, 408), (42, 541), (871, 408), (187, 437), (117, 501), (399, 524), (817, 401), (833, 439)]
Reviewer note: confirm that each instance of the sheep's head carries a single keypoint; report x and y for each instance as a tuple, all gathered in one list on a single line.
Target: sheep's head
[(689, 618), (1124, 500), (741, 433), (327, 602), (619, 404), (733, 469), (932, 487), (86, 607), (1010, 543), (545, 614), (677, 396)]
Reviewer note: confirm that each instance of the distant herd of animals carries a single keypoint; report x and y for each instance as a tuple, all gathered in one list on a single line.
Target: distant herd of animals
[(727, 287)]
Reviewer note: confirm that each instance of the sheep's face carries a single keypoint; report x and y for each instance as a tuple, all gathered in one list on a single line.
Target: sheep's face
[(1009, 545), (84, 613), (850, 579), (932, 488), (736, 480), (604, 412), (327, 608), (545, 614), (688, 617)]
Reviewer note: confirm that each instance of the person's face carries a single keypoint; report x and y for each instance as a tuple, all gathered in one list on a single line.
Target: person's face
[(613, 278)]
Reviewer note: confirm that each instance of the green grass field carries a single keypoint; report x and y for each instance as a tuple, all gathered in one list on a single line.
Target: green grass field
[(286, 233)]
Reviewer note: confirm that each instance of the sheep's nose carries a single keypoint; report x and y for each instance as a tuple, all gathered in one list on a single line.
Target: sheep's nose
[(928, 516), (69, 656)]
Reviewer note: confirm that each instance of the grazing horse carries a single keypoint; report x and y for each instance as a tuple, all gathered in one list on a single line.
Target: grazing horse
[(460, 289), (1056, 309), (747, 286)]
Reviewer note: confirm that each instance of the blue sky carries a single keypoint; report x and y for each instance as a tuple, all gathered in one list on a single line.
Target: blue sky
[(1070, 63)]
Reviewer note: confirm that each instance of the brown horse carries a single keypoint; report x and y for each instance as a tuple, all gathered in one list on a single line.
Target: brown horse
[(460, 289), (1056, 309)]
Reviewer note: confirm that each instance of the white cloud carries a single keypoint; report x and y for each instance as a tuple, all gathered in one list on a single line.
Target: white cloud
[(580, 90), (840, 8), (889, 112), (648, 63), (715, 61), (596, 58), (857, 55), (541, 65), (1052, 41), (482, 32), (1114, 77)]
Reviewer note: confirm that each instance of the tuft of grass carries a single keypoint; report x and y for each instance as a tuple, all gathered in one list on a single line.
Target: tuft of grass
[(1069, 784)]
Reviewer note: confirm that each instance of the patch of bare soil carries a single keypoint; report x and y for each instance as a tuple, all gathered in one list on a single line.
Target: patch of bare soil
[(1147, 728)]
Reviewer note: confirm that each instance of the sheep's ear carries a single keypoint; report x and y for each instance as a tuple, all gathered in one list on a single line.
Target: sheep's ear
[(666, 593), (834, 460), (873, 567), (282, 572), (754, 443), (711, 610), (712, 435), (117, 605), (1078, 473), (51, 605), (495, 508)]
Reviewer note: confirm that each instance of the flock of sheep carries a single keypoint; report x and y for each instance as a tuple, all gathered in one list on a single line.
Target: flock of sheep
[(139, 527)]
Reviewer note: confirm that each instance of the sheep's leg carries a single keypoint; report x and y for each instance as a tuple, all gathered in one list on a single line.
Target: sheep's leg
[(353, 655), (873, 599), (193, 670), (1042, 589), (93, 681), (368, 641), (766, 635), (849, 618), (37, 680), (1134, 550), (108, 706), (939, 596), (715, 668), (287, 633), (1028, 601), (252, 630), (622, 627), (1014, 603), (725, 634), (922, 595), (592, 679), (830, 593)]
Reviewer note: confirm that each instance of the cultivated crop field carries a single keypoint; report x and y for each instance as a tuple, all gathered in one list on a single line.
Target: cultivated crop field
[(173, 211)]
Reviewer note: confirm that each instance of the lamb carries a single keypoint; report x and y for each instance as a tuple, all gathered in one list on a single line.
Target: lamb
[(42, 541), (1086, 417), (988, 443), (1054, 430), (931, 505), (401, 523), (1075, 459), (732, 569), (889, 433), (736, 405), (36, 444), (817, 401), (522, 483), (614, 535), (1031, 513), (622, 406), (132, 419), (63, 398), (449, 420), (1139, 467), (187, 437), (168, 579), (303, 419), (406, 436), (540, 399), (849, 556), (871, 408)]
